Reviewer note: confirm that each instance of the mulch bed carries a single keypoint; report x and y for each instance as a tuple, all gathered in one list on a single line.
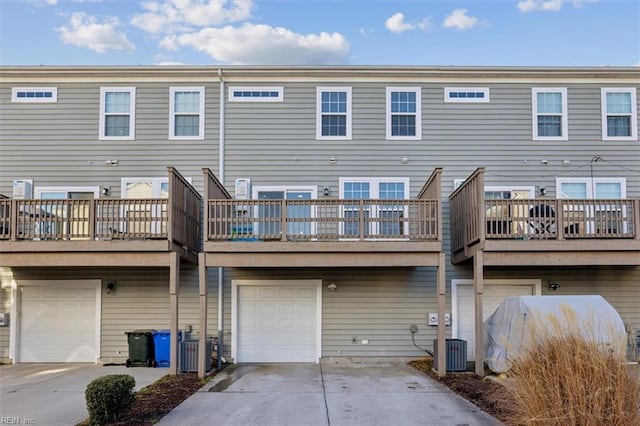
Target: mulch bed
[(159, 398), (486, 394)]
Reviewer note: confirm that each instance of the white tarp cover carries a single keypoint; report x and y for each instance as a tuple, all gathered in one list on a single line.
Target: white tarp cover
[(508, 329)]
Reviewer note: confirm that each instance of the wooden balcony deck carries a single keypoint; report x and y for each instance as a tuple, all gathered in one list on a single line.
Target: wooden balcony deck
[(543, 231), (323, 232), (122, 230)]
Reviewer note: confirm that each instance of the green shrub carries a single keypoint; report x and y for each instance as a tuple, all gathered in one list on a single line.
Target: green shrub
[(109, 397), (572, 379)]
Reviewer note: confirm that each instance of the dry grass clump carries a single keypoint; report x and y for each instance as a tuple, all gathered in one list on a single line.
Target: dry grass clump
[(568, 378)]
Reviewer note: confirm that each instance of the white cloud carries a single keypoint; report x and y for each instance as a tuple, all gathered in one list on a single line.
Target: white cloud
[(168, 16), (459, 20), (263, 44), (51, 2), (549, 5), (396, 24), (86, 31), (425, 24)]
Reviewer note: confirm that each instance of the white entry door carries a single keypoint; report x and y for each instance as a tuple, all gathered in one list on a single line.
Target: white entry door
[(58, 322), (276, 321), (495, 291)]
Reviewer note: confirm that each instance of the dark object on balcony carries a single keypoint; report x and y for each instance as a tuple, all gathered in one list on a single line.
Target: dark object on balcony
[(542, 220)]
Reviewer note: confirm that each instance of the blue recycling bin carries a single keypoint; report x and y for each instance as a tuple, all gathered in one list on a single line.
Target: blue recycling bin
[(162, 344)]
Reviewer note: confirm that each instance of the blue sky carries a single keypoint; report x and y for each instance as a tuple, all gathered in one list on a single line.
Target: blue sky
[(320, 32)]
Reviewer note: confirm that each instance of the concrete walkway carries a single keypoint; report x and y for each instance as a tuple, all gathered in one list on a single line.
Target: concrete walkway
[(53, 394), (307, 394)]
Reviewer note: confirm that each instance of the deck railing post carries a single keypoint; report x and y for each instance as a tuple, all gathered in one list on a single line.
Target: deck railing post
[(636, 219), (283, 220), (13, 229), (559, 219), (361, 221), (93, 208)]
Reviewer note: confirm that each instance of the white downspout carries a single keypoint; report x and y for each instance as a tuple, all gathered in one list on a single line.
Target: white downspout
[(221, 177)]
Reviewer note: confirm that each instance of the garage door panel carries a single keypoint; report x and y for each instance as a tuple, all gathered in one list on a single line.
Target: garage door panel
[(57, 324), (276, 323)]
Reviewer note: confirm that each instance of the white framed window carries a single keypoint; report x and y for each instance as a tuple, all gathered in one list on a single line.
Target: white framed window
[(270, 223), (186, 113), (549, 107), (391, 217), (404, 113), (619, 113), (256, 94), (65, 219), (582, 188), (333, 113), (34, 94), (606, 218), (466, 94), (117, 113), (144, 187)]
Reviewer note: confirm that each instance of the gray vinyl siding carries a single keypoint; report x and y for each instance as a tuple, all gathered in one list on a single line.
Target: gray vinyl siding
[(57, 144), (274, 143), (140, 301)]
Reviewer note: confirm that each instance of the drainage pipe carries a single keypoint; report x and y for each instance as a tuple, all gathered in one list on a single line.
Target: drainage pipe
[(221, 143)]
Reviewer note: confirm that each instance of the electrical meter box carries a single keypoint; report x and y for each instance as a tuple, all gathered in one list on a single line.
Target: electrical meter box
[(23, 189), (4, 319)]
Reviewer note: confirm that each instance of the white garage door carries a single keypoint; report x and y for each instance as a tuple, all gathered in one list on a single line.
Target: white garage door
[(58, 323), (494, 295), (277, 323)]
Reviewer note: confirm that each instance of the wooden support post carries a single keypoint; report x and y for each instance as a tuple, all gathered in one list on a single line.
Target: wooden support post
[(478, 286), (442, 358), (174, 285), (202, 337)]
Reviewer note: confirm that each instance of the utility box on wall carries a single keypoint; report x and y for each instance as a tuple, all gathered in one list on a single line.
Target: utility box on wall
[(4, 319)]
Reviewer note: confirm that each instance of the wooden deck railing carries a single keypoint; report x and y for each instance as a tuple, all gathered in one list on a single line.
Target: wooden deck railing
[(466, 213), (475, 219), (176, 218), (301, 220), (560, 219)]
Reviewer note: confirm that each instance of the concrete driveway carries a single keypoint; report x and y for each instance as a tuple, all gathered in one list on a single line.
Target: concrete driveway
[(307, 394), (53, 394)]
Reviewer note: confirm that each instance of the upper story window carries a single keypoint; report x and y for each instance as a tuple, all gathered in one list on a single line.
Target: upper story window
[(404, 113), (549, 113), (117, 113), (333, 113), (34, 94), (619, 114), (466, 94), (186, 113), (256, 94)]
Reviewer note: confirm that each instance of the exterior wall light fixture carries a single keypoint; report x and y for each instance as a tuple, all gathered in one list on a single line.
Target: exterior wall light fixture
[(111, 287), (332, 287)]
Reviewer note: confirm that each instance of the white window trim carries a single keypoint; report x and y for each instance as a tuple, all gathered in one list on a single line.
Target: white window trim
[(155, 184), (285, 188), (634, 113), (38, 190), (234, 309), (132, 114), (52, 99), (590, 184), (233, 98), (319, 113), (563, 117), (505, 188), (418, 113), (374, 184), (449, 90), (172, 93)]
